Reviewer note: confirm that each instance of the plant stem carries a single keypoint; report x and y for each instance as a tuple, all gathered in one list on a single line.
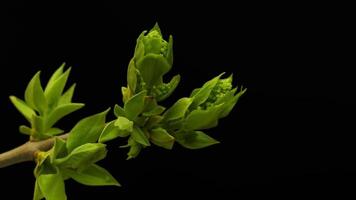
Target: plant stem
[(26, 152)]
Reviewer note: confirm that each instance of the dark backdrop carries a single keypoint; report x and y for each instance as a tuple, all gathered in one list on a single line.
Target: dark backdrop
[(291, 134)]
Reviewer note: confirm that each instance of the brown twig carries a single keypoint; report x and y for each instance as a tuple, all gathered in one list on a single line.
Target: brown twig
[(26, 152)]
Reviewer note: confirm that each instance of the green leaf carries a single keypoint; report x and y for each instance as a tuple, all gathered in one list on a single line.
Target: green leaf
[(34, 95), (170, 50), (139, 136), (135, 105), (201, 95), (83, 156), (58, 150), (195, 140), (54, 131), (54, 91), (203, 119), (66, 98), (39, 127), (61, 111), (119, 111), (162, 138), (55, 76), (93, 175), (172, 85), (23, 108), (52, 186), (111, 132), (152, 67), (124, 124), (132, 76), (153, 121), (86, 130), (135, 148), (157, 110), (37, 194), (228, 106), (178, 109), (126, 94), (25, 130)]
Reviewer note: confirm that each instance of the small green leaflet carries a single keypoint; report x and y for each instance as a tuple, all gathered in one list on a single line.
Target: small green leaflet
[(135, 105), (52, 186), (162, 138), (34, 95), (178, 109), (139, 136), (24, 109)]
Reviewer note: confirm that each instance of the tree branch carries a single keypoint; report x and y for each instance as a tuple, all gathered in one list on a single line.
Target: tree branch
[(26, 152)]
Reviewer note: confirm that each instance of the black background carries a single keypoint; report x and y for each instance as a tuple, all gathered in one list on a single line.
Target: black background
[(291, 134)]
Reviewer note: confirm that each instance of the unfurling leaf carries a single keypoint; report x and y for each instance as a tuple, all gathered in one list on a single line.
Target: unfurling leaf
[(195, 140), (66, 98), (93, 175), (203, 119), (61, 111), (178, 109), (86, 130), (54, 90), (25, 130), (124, 124)]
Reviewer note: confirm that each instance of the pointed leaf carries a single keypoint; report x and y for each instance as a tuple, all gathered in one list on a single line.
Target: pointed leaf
[(132, 76), (155, 111), (54, 131), (203, 93), (230, 104), (83, 156), (172, 85), (55, 76), (86, 130), (119, 111), (94, 175), (38, 126), (203, 119), (162, 138), (196, 140), (25, 130), (34, 95), (52, 186), (66, 98), (135, 148), (170, 50), (58, 150), (152, 67), (54, 91), (139, 136), (135, 105), (61, 111), (111, 132), (23, 108), (37, 194), (178, 109)]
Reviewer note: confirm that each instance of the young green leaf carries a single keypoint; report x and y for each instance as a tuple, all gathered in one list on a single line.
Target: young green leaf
[(119, 111), (52, 186), (124, 124), (54, 131), (38, 126), (201, 95), (155, 111), (25, 130), (178, 109), (152, 67), (111, 132), (132, 76), (171, 86), (195, 140), (135, 105), (86, 130), (139, 136), (66, 98), (162, 138), (34, 95), (170, 50), (94, 175), (61, 111), (203, 119), (229, 105), (37, 194), (135, 148), (83, 156), (58, 150), (23, 108), (54, 91), (55, 76)]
